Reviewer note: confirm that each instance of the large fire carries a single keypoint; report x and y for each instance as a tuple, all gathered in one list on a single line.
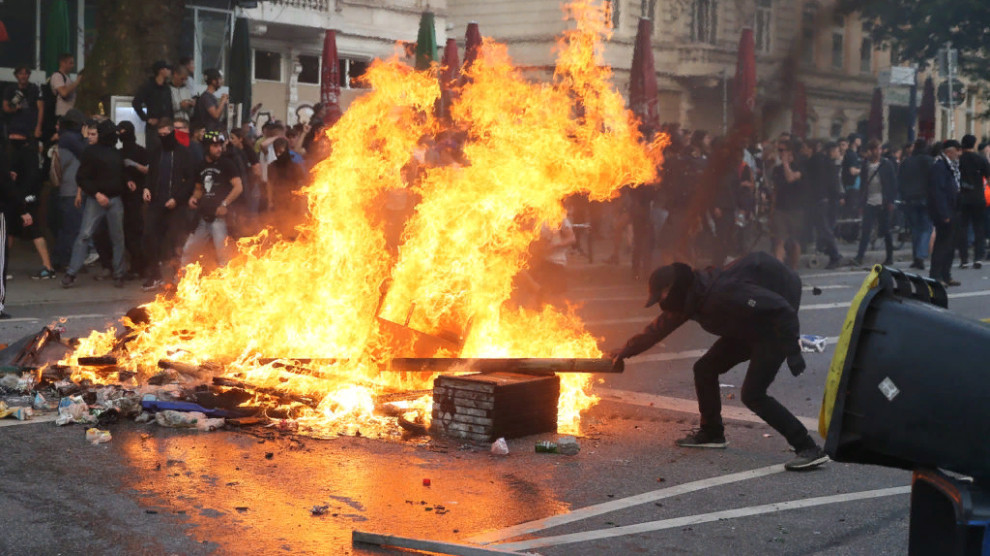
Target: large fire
[(528, 146)]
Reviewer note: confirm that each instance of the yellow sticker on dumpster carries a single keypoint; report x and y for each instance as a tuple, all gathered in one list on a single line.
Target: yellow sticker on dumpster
[(834, 377)]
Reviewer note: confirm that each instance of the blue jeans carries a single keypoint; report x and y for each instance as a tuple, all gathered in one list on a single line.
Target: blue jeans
[(92, 214), (921, 228), (70, 220), (216, 230)]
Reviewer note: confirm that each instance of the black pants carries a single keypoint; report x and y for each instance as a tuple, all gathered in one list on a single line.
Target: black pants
[(133, 229), (876, 215), (765, 360), (824, 224), (942, 251), (970, 214), (161, 228)]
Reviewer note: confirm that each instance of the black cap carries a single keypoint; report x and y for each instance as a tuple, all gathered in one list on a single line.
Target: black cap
[(159, 66), (674, 276), (212, 74), (951, 144)]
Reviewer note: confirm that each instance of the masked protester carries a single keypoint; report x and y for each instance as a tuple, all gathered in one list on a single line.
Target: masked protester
[(167, 187), (135, 159), (752, 305), (217, 187)]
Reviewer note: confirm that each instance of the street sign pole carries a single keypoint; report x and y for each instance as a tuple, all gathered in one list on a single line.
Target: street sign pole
[(950, 63)]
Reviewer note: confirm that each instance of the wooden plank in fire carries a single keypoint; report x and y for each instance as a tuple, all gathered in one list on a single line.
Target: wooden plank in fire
[(528, 365), (277, 394)]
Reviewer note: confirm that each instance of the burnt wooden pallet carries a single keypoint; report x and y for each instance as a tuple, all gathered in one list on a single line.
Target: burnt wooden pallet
[(484, 407)]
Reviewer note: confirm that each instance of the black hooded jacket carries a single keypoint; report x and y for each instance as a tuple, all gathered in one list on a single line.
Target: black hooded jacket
[(754, 299), (178, 180), (11, 201), (101, 170), (153, 101)]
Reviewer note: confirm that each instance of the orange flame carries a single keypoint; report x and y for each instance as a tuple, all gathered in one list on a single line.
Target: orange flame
[(527, 147)]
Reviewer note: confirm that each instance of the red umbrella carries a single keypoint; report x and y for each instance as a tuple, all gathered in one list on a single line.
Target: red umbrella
[(472, 46), (3, 33), (926, 113), (643, 98), (799, 114), (450, 69), (330, 78), (874, 129), (745, 81)]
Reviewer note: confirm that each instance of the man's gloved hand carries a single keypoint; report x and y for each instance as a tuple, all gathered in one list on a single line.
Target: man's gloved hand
[(795, 362), (618, 360)]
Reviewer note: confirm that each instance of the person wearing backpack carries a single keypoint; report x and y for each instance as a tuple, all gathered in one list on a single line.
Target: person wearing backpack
[(63, 88)]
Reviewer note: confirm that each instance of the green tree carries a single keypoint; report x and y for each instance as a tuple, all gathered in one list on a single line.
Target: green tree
[(918, 28), (130, 37)]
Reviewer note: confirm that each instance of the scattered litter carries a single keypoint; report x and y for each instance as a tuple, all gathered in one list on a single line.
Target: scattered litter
[(187, 420), (816, 291), (269, 455), (241, 509), (500, 447), (319, 510), (19, 413), (10, 381), (813, 344), (726, 385), (73, 410), (426, 482), (765, 435), (144, 417), (568, 445), (546, 447), (97, 436)]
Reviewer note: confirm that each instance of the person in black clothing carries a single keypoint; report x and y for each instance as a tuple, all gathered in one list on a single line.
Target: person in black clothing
[(101, 179), (826, 191), (217, 187), (154, 101), (973, 169), (10, 203), (913, 182), (943, 194), (135, 159), (167, 187), (210, 111), (877, 193), (752, 305), (852, 164), (789, 199)]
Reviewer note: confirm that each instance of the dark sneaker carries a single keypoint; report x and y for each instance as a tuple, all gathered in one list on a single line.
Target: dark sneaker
[(68, 281), (952, 282), (4, 315), (807, 459), (977, 265), (701, 438), (918, 264), (44, 274), (151, 284)]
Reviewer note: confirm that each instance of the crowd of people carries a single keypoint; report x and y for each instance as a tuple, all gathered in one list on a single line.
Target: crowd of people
[(713, 203), (122, 211)]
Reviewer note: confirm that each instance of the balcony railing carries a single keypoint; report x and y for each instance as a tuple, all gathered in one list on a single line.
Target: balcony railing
[(319, 5)]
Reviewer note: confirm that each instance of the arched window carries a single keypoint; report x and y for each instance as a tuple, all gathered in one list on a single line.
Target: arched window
[(808, 16), (763, 25), (704, 23)]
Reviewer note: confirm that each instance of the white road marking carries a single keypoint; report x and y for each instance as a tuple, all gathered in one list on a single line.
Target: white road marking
[(19, 319), (703, 518), (691, 354), (684, 405), (809, 287), (621, 504)]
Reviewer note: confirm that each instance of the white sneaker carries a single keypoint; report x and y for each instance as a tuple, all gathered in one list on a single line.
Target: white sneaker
[(91, 258)]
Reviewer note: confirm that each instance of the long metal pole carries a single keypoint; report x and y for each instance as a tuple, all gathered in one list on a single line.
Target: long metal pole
[(952, 106)]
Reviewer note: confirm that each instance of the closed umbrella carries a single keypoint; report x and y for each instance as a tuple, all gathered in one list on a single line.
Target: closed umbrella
[(799, 113), (472, 45), (330, 78), (57, 31), (875, 125), (426, 42), (643, 96), (926, 113), (239, 75), (451, 69), (745, 82)]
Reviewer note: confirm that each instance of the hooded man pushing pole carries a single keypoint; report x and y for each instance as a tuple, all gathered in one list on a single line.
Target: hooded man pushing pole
[(752, 306)]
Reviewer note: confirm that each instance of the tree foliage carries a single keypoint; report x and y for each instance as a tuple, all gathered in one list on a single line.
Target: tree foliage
[(130, 37), (919, 28)]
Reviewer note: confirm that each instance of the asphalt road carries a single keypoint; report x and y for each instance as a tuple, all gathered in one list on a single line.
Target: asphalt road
[(629, 491)]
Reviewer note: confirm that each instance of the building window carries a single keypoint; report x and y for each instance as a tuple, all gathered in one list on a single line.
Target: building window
[(866, 51), (704, 23), (808, 16), (350, 73), (205, 35), (614, 9), (267, 65), (648, 9), (839, 43), (764, 25), (970, 113), (836, 129), (310, 69)]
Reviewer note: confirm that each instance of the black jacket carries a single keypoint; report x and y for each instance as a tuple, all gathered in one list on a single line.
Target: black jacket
[(754, 299), (182, 183), (101, 170), (11, 201), (943, 191), (153, 101), (913, 177), (973, 169), (888, 182)]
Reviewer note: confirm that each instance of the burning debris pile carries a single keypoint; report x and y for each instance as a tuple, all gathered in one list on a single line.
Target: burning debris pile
[(319, 327)]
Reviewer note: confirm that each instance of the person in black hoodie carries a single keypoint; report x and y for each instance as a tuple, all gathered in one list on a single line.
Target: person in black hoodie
[(974, 171), (101, 179), (153, 101), (913, 181), (135, 159), (752, 305), (10, 203), (169, 184)]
